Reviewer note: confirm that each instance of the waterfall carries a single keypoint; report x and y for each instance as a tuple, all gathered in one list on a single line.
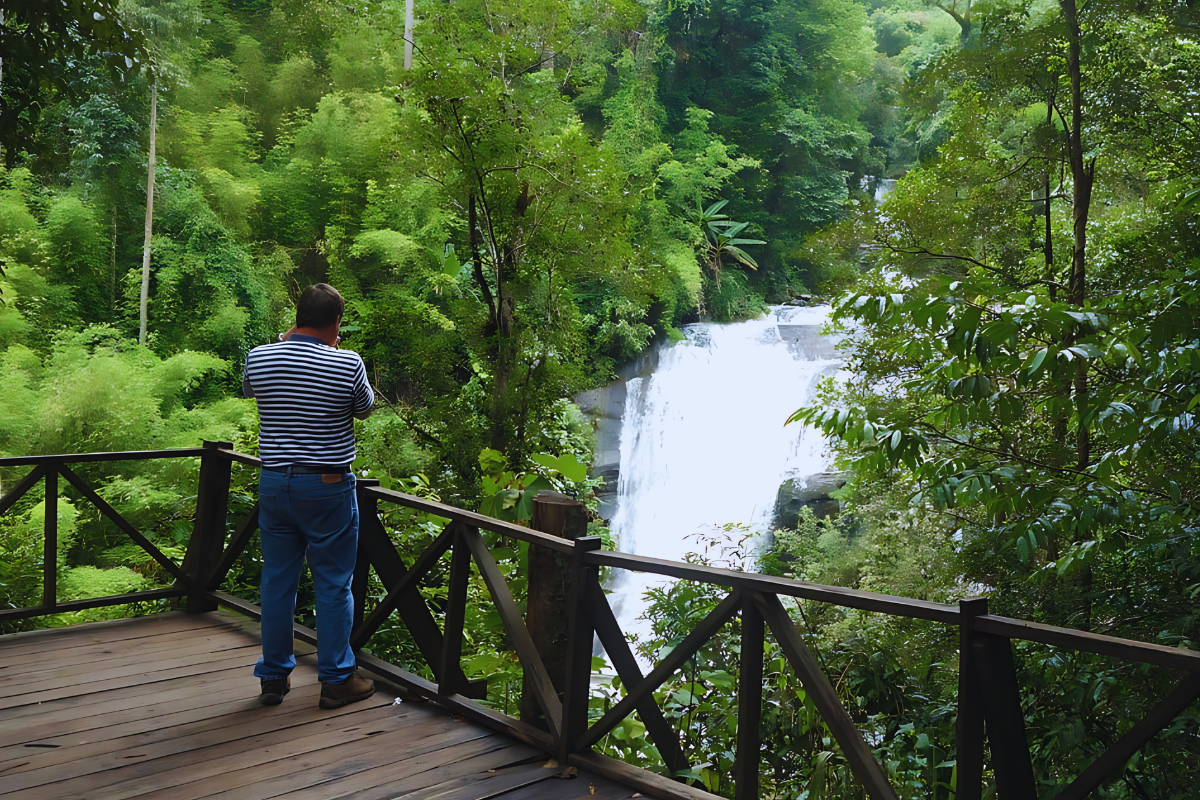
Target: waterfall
[(703, 442)]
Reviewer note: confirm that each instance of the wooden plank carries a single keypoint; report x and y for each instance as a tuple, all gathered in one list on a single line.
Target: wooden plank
[(198, 773), (636, 695), (124, 455), (1124, 649), (644, 781), (104, 651), (862, 763), (198, 764), (750, 700), (133, 533), (585, 786), (665, 739), (23, 486), (98, 742), (138, 672), (72, 663), (116, 699), (107, 631), (100, 757), (225, 697), (483, 784), (71, 606), (244, 657), (354, 765), (1115, 757), (750, 581), (406, 777), (537, 678)]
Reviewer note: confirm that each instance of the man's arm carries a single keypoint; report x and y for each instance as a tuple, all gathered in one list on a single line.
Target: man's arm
[(363, 398), (247, 389)]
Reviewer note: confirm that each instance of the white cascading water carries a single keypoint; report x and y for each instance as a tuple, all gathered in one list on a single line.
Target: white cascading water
[(703, 441)]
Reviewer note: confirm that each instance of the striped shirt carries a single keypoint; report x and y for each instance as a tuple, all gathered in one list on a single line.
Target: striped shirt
[(307, 393)]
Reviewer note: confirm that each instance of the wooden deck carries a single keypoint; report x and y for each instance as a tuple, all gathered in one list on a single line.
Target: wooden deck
[(166, 707)]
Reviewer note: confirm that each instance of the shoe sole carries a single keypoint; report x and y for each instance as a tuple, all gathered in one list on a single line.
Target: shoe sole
[(270, 699), (338, 702)]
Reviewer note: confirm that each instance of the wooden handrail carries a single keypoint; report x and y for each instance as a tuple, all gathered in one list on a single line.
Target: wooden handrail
[(1124, 649), (755, 582), (79, 458)]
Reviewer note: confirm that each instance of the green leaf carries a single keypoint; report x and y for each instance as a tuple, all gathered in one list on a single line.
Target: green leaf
[(568, 466), (1034, 364)]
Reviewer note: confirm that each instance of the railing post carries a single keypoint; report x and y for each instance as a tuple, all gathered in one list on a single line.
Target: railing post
[(968, 732), (549, 578), (456, 613), (368, 506), (749, 702), (1006, 737), (208, 534), (50, 543), (580, 638)]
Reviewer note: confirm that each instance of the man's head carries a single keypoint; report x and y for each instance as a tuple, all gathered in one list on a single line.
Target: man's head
[(319, 306)]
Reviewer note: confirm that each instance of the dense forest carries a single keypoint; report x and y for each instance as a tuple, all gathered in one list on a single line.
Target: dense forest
[(549, 187)]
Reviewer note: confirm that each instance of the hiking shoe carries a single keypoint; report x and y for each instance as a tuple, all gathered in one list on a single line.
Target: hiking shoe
[(336, 695), (274, 690)]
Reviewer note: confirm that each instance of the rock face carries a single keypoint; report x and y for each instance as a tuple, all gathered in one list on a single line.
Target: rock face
[(812, 491), (604, 407), (806, 343)]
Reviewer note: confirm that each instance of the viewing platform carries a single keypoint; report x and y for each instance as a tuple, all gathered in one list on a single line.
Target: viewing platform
[(166, 707)]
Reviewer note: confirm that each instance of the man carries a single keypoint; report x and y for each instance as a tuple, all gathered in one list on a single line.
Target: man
[(309, 393)]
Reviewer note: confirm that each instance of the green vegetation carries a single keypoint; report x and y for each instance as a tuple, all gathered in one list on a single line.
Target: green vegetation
[(552, 186)]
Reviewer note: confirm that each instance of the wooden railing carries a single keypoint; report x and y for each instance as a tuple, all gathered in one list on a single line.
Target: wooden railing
[(989, 708)]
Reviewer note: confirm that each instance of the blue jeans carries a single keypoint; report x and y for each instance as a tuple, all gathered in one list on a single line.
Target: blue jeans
[(298, 516)]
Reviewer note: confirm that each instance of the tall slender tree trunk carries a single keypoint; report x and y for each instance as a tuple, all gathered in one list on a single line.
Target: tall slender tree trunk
[(149, 217), (1082, 176), (408, 34)]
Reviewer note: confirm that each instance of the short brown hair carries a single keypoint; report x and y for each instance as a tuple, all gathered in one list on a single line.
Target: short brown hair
[(319, 306)]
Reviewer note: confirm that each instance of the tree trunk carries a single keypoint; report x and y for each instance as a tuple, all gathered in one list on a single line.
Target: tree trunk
[(149, 218), (112, 251), (1082, 176), (408, 34)]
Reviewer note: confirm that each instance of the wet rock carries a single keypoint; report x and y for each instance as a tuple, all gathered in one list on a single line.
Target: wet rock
[(806, 342), (812, 491), (607, 494)]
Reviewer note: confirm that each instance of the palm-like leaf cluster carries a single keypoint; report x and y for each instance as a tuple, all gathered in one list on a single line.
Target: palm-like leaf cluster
[(721, 238)]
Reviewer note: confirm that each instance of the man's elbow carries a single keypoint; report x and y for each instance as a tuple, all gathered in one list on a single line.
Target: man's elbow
[(364, 414)]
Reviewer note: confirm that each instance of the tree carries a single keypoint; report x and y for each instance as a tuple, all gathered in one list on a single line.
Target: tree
[(1047, 401), (42, 42), (541, 205)]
